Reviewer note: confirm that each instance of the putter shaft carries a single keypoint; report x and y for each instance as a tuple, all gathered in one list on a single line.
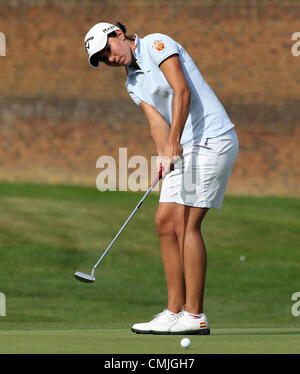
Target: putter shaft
[(154, 183), (90, 278)]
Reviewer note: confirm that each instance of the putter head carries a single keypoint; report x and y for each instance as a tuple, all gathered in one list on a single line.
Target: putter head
[(82, 277)]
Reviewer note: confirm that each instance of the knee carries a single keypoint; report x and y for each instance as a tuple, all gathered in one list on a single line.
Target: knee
[(170, 224), (164, 225), (183, 226)]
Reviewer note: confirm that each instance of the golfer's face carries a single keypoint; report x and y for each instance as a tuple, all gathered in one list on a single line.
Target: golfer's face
[(116, 53)]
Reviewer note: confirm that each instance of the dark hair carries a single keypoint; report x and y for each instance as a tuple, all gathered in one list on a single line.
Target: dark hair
[(123, 29)]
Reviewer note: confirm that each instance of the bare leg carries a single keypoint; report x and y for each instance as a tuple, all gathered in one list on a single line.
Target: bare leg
[(188, 228), (171, 256)]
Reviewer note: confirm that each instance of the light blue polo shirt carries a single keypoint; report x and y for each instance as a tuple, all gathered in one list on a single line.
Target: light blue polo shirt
[(207, 118)]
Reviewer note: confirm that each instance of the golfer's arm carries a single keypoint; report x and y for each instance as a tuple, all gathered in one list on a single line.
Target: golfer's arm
[(172, 69), (159, 128)]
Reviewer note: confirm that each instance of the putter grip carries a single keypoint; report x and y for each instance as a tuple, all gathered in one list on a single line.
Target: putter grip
[(157, 179)]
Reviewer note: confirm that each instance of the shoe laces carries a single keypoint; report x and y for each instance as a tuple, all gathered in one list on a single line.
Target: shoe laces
[(165, 311)]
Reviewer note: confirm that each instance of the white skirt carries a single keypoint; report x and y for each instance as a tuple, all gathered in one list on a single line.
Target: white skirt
[(200, 178)]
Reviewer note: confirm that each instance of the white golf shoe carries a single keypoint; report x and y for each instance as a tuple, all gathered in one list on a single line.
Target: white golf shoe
[(188, 323), (160, 324)]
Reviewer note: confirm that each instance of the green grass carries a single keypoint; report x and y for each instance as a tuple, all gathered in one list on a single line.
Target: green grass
[(49, 232), (119, 341)]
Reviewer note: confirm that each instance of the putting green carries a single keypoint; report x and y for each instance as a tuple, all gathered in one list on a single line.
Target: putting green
[(122, 341), (49, 232)]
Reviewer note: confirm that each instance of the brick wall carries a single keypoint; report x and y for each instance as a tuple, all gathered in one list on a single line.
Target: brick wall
[(58, 115)]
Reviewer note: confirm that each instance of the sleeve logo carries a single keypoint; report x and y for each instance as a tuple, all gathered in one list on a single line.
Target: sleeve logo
[(159, 45)]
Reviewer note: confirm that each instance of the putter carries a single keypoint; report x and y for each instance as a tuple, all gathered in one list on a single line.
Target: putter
[(90, 278)]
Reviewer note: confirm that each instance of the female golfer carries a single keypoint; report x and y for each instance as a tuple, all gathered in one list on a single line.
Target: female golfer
[(196, 146)]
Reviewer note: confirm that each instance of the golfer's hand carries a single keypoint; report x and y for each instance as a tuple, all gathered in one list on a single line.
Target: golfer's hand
[(160, 164), (172, 154)]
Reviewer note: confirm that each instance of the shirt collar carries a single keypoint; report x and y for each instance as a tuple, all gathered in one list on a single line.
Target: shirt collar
[(136, 54), (137, 47)]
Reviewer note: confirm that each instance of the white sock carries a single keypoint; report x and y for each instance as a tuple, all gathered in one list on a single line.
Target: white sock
[(197, 315)]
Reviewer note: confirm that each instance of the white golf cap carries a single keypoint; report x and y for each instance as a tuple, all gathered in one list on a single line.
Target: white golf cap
[(96, 39)]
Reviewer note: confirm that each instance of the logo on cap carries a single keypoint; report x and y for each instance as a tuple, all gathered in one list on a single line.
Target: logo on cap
[(87, 43), (109, 28)]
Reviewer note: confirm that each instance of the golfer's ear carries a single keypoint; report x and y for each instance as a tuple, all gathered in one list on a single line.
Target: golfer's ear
[(120, 34)]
